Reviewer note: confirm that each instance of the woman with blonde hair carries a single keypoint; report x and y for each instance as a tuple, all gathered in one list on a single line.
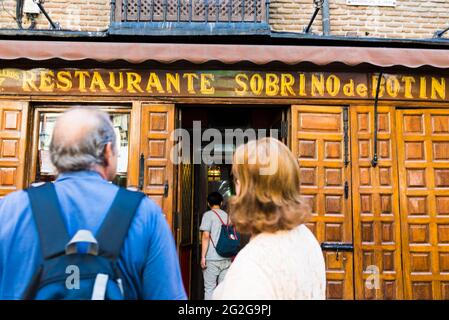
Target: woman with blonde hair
[(283, 259)]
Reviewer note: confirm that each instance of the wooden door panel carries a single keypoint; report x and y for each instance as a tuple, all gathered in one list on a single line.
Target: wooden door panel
[(156, 146), (13, 118), (423, 141), (318, 141), (377, 234)]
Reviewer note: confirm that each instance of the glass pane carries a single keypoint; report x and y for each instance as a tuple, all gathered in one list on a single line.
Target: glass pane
[(45, 169), (121, 127)]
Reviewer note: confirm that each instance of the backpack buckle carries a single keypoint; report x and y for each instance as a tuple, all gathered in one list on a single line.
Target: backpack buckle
[(82, 236)]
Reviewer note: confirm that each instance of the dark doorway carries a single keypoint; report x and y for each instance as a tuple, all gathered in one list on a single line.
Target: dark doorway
[(197, 180)]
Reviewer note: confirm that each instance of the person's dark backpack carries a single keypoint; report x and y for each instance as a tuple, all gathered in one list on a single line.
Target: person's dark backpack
[(66, 273), (228, 243)]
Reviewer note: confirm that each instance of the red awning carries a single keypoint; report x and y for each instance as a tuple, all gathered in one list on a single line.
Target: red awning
[(227, 54)]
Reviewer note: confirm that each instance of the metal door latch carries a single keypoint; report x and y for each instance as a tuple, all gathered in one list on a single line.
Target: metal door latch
[(338, 247)]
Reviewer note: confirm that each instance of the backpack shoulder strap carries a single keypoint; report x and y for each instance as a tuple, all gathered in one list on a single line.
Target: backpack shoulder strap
[(221, 220), (46, 210), (114, 229)]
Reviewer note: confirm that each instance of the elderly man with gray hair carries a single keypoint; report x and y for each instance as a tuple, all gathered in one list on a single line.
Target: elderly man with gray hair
[(84, 152)]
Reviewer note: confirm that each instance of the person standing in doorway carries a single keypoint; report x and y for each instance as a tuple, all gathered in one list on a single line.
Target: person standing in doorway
[(214, 266)]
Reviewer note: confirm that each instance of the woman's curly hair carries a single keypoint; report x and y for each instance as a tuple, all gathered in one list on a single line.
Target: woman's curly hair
[(269, 179)]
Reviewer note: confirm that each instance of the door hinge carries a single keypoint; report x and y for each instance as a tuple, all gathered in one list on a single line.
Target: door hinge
[(166, 189), (177, 220), (346, 190), (141, 171)]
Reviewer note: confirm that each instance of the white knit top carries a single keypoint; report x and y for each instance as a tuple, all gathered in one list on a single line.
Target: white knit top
[(283, 265)]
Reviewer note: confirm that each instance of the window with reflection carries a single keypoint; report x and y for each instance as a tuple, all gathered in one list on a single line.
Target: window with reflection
[(45, 170)]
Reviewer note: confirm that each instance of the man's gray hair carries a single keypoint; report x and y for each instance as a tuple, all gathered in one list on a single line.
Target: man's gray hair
[(87, 150)]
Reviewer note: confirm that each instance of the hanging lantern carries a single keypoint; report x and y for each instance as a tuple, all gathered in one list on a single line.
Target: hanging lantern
[(214, 173)]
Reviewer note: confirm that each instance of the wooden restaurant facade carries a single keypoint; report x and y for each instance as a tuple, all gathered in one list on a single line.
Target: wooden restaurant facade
[(376, 175)]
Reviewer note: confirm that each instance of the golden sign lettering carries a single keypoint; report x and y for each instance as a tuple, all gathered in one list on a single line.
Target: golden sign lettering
[(223, 84)]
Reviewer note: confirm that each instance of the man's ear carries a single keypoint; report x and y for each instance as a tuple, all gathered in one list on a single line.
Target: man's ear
[(108, 153)]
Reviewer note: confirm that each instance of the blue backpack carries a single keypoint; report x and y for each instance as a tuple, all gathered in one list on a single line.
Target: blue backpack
[(229, 240), (68, 273)]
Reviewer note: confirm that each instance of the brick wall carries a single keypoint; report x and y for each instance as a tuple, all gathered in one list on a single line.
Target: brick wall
[(408, 19), (77, 15), (293, 16)]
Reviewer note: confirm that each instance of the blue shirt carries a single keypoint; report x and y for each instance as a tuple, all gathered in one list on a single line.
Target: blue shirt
[(148, 259)]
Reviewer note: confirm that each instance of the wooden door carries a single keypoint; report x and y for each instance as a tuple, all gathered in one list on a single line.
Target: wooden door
[(13, 132), (377, 234), (423, 152), (318, 140), (156, 147)]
